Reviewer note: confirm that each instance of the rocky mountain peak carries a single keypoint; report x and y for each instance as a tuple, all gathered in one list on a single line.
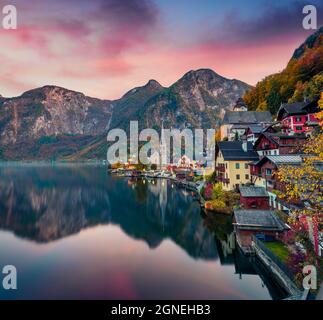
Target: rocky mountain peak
[(201, 75), (41, 116), (153, 84), (51, 91)]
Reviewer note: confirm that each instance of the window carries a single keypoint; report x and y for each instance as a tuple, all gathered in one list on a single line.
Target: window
[(247, 176), (237, 165), (246, 166), (298, 119), (238, 176), (299, 128), (268, 172)]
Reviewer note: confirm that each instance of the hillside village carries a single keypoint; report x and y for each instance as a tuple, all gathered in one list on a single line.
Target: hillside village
[(251, 152), (252, 148)]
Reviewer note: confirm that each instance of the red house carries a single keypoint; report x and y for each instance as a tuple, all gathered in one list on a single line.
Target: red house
[(298, 117), (278, 143), (253, 197)]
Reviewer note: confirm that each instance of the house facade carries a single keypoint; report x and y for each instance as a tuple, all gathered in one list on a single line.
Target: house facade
[(273, 144), (254, 197), (232, 163), (298, 117)]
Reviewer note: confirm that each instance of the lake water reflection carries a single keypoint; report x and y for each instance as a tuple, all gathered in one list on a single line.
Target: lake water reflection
[(73, 231)]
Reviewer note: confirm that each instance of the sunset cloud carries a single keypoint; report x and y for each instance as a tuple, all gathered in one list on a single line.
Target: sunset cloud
[(106, 47)]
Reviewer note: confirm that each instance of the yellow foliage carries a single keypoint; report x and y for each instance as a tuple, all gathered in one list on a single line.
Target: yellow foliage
[(305, 182)]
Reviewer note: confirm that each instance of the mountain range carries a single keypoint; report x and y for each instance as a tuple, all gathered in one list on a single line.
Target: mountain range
[(56, 123), (51, 122)]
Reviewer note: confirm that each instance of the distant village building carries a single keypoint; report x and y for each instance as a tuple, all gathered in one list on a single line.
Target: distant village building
[(254, 197), (236, 122), (185, 162), (232, 163), (298, 117), (263, 224), (278, 143), (263, 175), (240, 105)]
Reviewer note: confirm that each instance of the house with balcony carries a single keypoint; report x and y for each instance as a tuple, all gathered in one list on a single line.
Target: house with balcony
[(263, 175), (232, 163), (273, 144), (298, 117)]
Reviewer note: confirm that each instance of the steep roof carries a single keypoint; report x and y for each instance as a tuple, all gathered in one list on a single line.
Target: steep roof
[(258, 219), (284, 159), (240, 104), (247, 117), (276, 138), (296, 108), (232, 150), (253, 191), (240, 126), (256, 128)]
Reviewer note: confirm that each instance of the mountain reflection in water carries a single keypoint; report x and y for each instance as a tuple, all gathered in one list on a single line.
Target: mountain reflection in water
[(43, 204)]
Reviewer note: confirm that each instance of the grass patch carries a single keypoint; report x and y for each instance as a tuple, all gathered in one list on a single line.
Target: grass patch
[(279, 249)]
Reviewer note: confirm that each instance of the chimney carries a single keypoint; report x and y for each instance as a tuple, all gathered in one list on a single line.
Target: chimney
[(244, 144)]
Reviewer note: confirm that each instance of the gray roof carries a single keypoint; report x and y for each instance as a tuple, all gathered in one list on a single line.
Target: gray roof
[(258, 219), (253, 191), (256, 128), (232, 150), (286, 159), (247, 117), (297, 108), (240, 126)]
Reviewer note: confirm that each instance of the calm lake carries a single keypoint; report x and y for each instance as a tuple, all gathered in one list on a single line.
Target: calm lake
[(74, 231)]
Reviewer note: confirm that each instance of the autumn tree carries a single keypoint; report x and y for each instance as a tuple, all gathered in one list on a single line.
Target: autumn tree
[(302, 78), (305, 183)]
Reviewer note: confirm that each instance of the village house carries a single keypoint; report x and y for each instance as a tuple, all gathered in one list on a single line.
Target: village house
[(185, 162), (254, 197), (298, 117), (232, 163), (263, 224), (236, 122), (263, 175), (253, 132), (240, 105), (269, 143)]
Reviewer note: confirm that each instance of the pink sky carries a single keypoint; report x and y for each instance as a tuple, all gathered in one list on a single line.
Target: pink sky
[(105, 48)]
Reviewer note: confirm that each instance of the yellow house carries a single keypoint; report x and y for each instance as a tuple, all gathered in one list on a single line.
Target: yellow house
[(232, 163)]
